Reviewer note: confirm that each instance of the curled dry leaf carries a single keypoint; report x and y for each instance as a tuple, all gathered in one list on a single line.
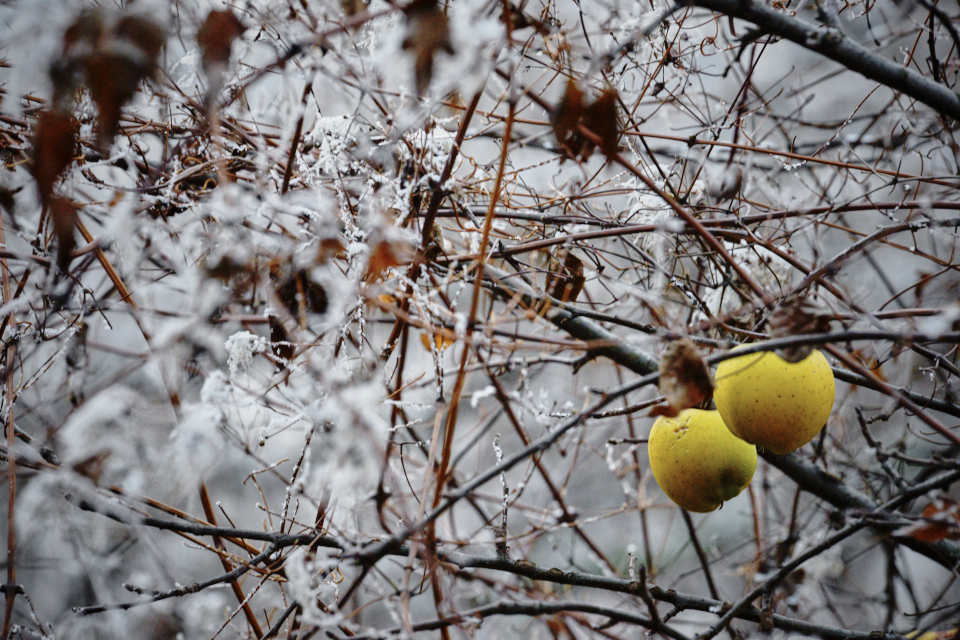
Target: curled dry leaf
[(684, 378), (63, 213), (440, 340), (352, 7), (566, 280), (298, 292), (387, 254), (279, 339), (112, 52), (330, 249), (798, 315), (565, 118), (54, 148), (428, 31), (519, 19), (215, 38), (940, 520), (601, 118), (92, 467)]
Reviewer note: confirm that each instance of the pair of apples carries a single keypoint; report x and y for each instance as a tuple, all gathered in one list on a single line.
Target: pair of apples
[(702, 458)]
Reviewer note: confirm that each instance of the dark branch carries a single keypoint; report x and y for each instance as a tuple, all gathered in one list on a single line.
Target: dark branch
[(839, 48)]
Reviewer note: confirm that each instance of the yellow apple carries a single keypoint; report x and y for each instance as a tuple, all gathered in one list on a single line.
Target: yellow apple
[(772, 403), (697, 462)]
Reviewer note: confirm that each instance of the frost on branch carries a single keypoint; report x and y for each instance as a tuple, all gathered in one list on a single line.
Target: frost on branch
[(285, 268)]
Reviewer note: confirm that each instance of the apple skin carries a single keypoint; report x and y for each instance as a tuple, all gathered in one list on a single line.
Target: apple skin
[(697, 462), (772, 403)]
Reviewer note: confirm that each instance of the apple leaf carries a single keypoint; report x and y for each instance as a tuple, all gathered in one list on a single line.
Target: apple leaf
[(92, 466), (330, 249), (440, 339)]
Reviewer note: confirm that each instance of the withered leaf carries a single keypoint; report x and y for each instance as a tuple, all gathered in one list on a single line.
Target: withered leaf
[(298, 292), (225, 268), (684, 378), (565, 118), (145, 35), (215, 38), (947, 634), (279, 339), (566, 280), (940, 520), (113, 52), (54, 148), (387, 254), (798, 315), (92, 467), (63, 213), (440, 339), (113, 79), (521, 20), (216, 35), (352, 7), (330, 249), (428, 31), (601, 118)]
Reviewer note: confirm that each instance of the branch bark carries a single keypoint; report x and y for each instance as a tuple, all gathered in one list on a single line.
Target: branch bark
[(832, 44)]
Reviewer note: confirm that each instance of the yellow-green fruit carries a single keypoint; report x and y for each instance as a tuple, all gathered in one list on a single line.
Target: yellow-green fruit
[(773, 403), (697, 462)]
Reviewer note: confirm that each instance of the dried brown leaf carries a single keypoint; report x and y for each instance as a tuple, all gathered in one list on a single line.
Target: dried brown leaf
[(54, 148), (798, 315), (113, 52), (298, 292), (143, 34), (440, 339), (565, 118), (940, 520), (352, 7), (385, 255), (63, 213), (601, 118), (566, 280), (215, 38), (684, 378), (428, 32), (279, 339), (92, 467), (330, 249), (216, 35), (113, 80)]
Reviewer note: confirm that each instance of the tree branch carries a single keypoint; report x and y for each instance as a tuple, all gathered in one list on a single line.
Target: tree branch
[(834, 45)]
